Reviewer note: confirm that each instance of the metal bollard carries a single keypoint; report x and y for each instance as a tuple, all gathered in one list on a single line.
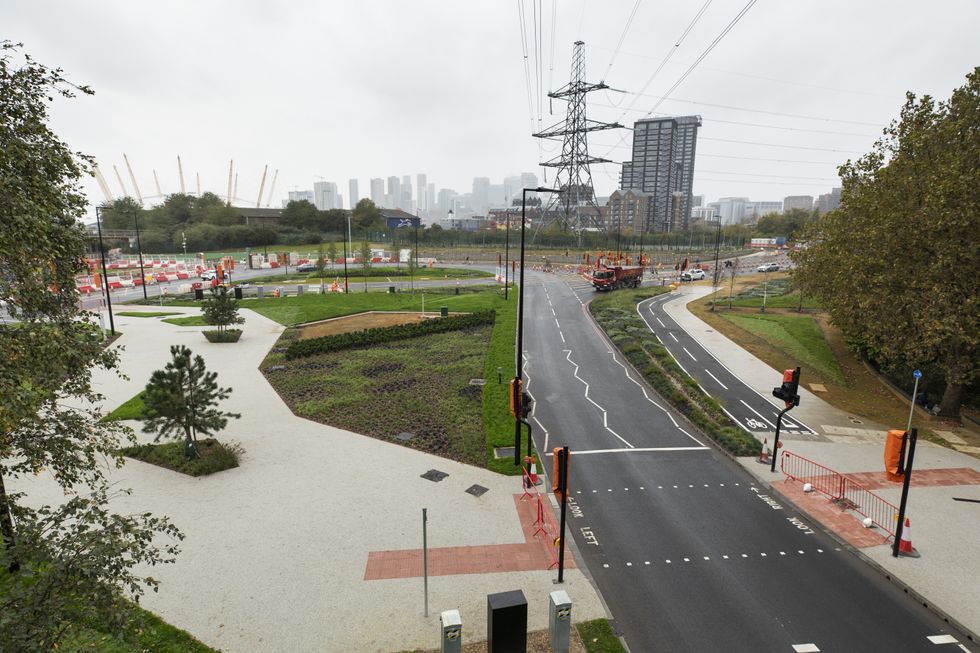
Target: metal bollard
[(260, 292), (451, 637), (559, 620)]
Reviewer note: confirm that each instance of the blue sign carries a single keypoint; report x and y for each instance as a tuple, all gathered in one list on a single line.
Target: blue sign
[(917, 374), (399, 223)]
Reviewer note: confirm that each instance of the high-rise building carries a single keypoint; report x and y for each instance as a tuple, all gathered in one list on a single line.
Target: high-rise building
[(378, 191), (420, 190), (430, 198), (300, 195), (481, 194), (354, 196), (829, 201), (755, 210), (731, 209), (445, 202), (696, 201), (496, 196), (394, 196), (804, 202), (512, 188), (663, 164), (529, 180), (325, 195)]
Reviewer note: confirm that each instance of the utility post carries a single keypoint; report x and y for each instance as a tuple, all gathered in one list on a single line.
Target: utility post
[(788, 392), (716, 270), (507, 254), (563, 489), (900, 526), (346, 290), (139, 248), (105, 275)]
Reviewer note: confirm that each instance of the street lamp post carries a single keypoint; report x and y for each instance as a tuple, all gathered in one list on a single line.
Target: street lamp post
[(346, 290), (519, 372), (139, 248), (105, 275), (717, 271), (507, 255)]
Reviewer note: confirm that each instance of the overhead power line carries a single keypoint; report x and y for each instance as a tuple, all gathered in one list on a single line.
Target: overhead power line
[(751, 174), (787, 147), (622, 37), (768, 183), (755, 158)]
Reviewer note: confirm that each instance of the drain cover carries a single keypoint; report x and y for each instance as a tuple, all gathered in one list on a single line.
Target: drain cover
[(434, 475), (404, 436), (476, 382), (477, 490), (503, 452)]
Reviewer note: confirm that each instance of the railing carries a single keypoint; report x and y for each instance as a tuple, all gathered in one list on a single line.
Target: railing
[(842, 490), (544, 522), (824, 480)]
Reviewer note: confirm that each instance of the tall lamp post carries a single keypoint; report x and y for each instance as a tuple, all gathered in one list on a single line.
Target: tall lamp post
[(105, 275), (346, 290), (507, 255), (139, 248), (519, 372), (717, 272)]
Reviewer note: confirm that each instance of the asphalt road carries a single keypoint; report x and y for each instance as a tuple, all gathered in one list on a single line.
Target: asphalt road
[(750, 410), (688, 553)]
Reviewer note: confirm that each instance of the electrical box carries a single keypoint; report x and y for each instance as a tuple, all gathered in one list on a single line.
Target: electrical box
[(507, 622), (559, 620), (451, 635)]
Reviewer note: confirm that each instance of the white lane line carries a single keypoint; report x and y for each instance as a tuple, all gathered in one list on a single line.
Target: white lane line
[(715, 378), (605, 420), (942, 639), (689, 354), (633, 450), (533, 415), (757, 413), (661, 323), (786, 422), (562, 335), (556, 323), (806, 648), (673, 336), (553, 312)]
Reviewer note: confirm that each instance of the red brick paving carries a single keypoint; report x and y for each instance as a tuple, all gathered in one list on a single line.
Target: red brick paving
[(847, 524), (535, 553)]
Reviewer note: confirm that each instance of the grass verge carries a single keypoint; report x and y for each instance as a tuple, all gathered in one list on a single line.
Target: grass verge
[(797, 335), (616, 314), (497, 421), (190, 320), (213, 456), (145, 313), (598, 637), (132, 409)]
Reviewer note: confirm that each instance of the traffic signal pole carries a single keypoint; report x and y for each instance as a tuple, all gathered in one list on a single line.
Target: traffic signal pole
[(775, 443), (788, 393)]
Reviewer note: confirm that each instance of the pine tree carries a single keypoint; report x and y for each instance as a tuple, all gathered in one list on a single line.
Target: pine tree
[(221, 309), (181, 400)]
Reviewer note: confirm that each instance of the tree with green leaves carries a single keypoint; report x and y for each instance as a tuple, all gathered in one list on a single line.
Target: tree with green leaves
[(66, 563), (181, 400), (221, 309), (896, 264), (332, 252), (301, 215), (366, 262), (367, 216)]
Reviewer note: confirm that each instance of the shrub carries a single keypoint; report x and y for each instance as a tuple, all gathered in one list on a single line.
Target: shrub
[(313, 346), (228, 335), (213, 456)]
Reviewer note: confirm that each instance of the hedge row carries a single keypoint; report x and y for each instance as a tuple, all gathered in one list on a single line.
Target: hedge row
[(641, 348), (313, 346)]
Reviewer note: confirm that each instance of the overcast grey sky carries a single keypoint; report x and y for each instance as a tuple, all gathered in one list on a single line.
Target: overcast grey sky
[(371, 89)]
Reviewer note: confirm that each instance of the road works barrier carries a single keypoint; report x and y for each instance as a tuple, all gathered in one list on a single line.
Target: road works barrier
[(544, 522), (842, 490)]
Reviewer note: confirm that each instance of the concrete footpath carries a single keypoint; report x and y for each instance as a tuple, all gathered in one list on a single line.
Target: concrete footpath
[(944, 531), (312, 543)]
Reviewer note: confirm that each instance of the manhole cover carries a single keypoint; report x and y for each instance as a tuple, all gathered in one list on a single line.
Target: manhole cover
[(434, 475), (477, 381), (855, 420), (503, 452), (477, 490), (404, 436)]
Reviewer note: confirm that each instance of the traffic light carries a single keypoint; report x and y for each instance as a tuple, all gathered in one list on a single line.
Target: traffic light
[(788, 390), (526, 403), (516, 395)]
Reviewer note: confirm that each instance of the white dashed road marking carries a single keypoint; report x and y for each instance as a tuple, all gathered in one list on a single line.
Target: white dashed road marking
[(673, 336), (716, 379), (806, 648), (690, 354)]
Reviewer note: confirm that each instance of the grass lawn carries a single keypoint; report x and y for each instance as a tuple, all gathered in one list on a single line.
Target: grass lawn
[(132, 409), (213, 456), (497, 420), (309, 308), (190, 320), (799, 336), (375, 274), (419, 386), (598, 637), (751, 290), (145, 313)]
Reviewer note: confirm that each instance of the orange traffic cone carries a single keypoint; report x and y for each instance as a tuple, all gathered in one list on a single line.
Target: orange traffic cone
[(764, 454), (905, 544)]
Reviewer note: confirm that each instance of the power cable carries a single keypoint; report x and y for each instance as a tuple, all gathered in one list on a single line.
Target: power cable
[(787, 147), (750, 174), (768, 183), (527, 70), (622, 37)]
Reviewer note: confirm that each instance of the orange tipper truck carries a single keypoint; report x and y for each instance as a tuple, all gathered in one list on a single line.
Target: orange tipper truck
[(611, 278)]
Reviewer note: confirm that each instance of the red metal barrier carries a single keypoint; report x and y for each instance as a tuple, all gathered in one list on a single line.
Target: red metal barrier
[(544, 521), (824, 480), (865, 502)]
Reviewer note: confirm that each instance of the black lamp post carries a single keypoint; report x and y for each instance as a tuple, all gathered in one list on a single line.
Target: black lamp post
[(105, 275), (507, 255), (717, 271), (139, 248), (345, 267), (519, 372)]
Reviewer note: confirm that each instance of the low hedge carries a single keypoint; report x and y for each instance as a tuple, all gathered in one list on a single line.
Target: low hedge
[(228, 335), (367, 337), (213, 456), (640, 347)]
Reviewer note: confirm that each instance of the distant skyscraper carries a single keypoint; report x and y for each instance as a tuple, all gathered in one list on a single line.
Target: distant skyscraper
[(445, 203), (696, 201), (406, 193), (481, 194), (731, 209), (804, 202), (353, 196), (430, 198), (378, 191), (300, 195), (325, 195), (829, 201), (512, 188), (420, 187), (663, 164), (529, 180), (394, 196)]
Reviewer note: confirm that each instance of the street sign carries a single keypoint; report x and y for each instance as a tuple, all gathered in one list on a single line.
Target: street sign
[(917, 374)]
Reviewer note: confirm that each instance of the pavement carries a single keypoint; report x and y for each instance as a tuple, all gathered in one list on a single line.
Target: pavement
[(945, 532), (312, 543)]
